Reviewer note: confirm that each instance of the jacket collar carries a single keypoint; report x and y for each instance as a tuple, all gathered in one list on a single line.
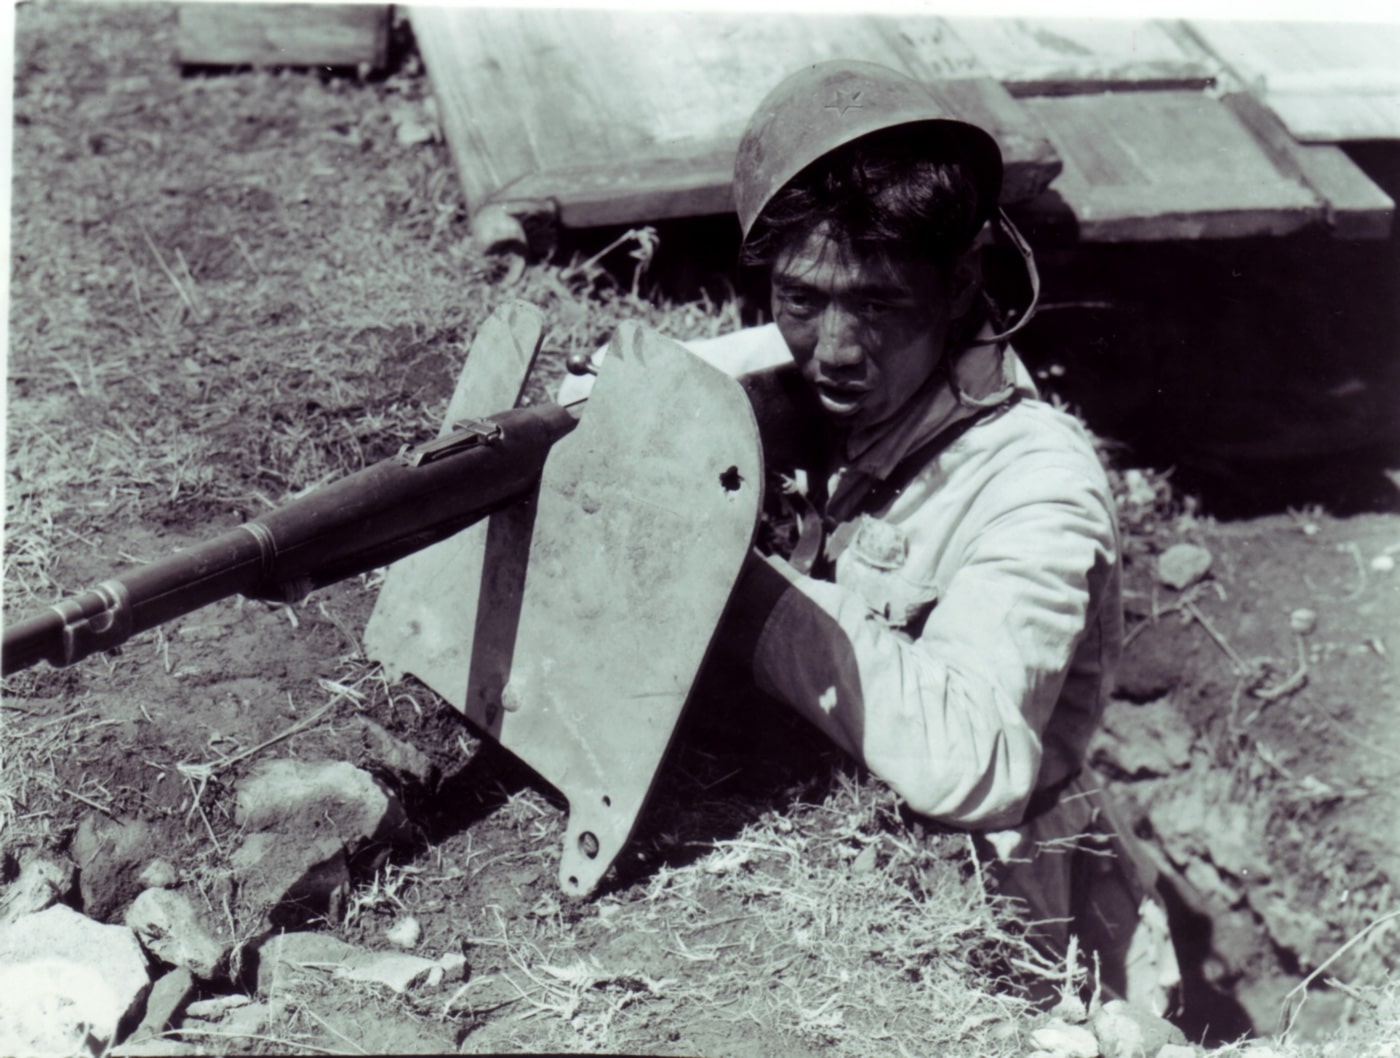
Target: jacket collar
[(979, 376)]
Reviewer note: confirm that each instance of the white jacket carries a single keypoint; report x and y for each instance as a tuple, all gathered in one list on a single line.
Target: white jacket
[(965, 649)]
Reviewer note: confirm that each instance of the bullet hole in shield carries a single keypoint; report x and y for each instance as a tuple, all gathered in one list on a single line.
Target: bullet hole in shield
[(731, 479), (588, 844)]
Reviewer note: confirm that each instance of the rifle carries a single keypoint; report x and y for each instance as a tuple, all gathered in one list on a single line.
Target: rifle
[(366, 520), (369, 519), (571, 625)]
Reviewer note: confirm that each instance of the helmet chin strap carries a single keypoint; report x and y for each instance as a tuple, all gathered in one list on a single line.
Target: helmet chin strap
[(1023, 248)]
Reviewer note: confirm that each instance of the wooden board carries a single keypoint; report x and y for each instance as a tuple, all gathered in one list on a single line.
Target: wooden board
[(1146, 166), (624, 116), (1328, 82), (257, 34), (1067, 56)]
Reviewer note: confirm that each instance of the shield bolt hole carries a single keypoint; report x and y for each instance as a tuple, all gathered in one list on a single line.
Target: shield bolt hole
[(731, 479), (588, 844)]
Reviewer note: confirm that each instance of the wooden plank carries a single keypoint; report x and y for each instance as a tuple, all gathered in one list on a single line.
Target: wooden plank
[(1146, 166), (1068, 56), (624, 116), (257, 34), (1355, 208), (1328, 82)]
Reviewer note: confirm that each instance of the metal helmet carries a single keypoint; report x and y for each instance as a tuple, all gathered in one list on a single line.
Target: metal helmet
[(829, 104)]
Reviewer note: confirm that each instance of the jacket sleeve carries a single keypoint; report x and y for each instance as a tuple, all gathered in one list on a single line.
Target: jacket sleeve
[(954, 719)]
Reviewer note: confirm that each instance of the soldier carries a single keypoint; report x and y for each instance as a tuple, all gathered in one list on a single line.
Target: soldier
[(952, 617)]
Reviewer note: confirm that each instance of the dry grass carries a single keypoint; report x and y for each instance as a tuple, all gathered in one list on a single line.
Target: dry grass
[(228, 290)]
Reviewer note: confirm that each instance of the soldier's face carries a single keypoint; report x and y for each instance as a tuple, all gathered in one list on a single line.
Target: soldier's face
[(866, 333)]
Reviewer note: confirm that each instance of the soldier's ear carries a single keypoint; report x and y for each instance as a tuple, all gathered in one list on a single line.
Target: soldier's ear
[(964, 282)]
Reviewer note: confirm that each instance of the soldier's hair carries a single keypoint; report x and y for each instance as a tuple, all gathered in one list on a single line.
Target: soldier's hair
[(883, 196)]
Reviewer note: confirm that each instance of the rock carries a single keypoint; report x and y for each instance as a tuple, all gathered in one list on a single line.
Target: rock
[(318, 797), (289, 883), (1303, 621), (406, 932), (1232, 840), (396, 969), (1125, 1031), (41, 884), (1065, 1041), (110, 855), (378, 748), (213, 1009), (285, 956), (66, 982), (1177, 1050), (1182, 565), (864, 862), (305, 822), (155, 1048), (454, 965), (170, 992), (169, 927), (412, 133), (1383, 564), (1141, 741), (250, 1019), (159, 874), (1070, 1008)]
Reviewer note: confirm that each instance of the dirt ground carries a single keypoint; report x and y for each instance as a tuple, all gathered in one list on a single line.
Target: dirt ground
[(228, 289)]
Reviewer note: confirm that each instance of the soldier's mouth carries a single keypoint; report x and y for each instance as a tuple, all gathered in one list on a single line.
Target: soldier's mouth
[(841, 400)]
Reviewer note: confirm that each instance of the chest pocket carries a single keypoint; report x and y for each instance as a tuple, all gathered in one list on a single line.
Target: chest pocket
[(875, 565)]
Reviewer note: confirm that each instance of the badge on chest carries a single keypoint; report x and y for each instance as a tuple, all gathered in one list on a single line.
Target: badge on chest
[(876, 565)]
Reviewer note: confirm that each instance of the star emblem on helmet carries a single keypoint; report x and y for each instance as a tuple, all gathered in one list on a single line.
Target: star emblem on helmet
[(845, 100)]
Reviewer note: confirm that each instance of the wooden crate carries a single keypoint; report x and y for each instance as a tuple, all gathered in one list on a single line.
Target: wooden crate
[(1072, 56), (627, 116), (257, 34), (1328, 82), (1145, 166)]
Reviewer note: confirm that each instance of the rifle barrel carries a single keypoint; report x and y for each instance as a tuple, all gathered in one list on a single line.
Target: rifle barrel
[(363, 521)]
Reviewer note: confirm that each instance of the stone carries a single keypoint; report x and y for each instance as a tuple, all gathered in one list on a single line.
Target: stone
[(1065, 1041), (170, 992), (159, 874), (155, 1048), (286, 956), (289, 883), (1303, 621), (405, 933), (1383, 564), (305, 821), (41, 884), (316, 798), (1177, 1050), (170, 928), (379, 749), (251, 1019), (1182, 565), (1070, 1008), (210, 1009), (110, 855), (396, 969), (66, 982), (1125, 1031), (454, 965), (1142, 741)]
